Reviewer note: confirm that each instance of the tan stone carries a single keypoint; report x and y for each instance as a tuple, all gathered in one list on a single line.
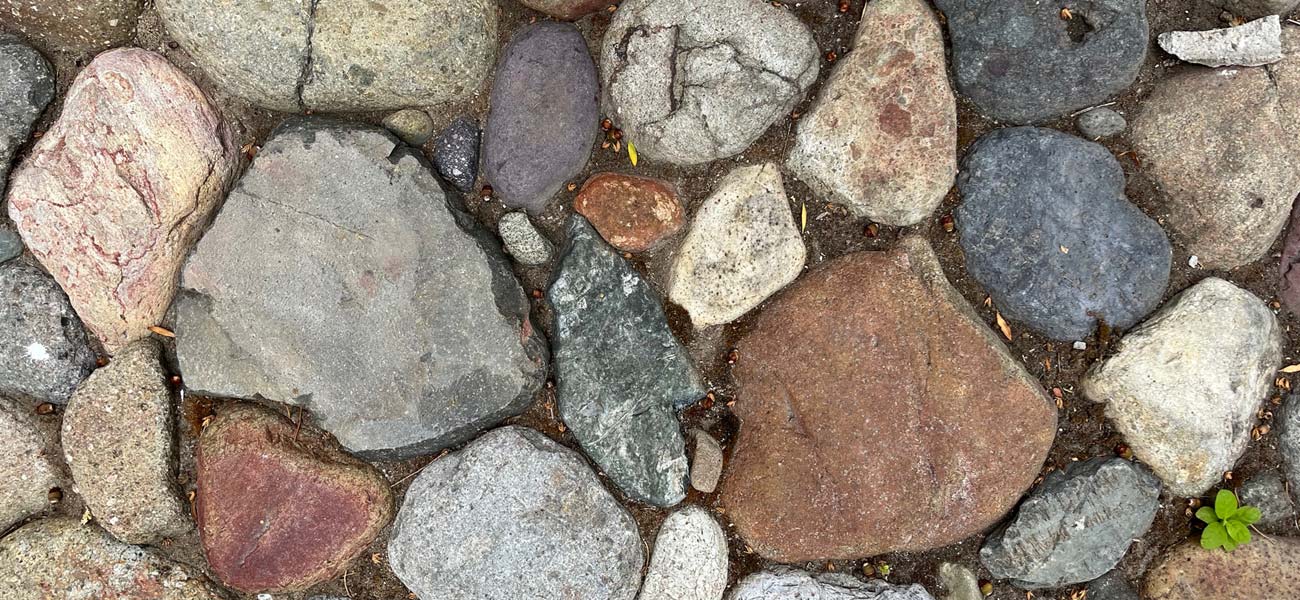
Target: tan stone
[(1265, 569)]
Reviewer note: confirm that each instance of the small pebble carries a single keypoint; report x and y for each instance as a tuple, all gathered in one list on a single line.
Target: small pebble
[(455, 153), (706, 464), (413, 126), (523, 241), (1081, 345), (960, 582), (1101, 123)]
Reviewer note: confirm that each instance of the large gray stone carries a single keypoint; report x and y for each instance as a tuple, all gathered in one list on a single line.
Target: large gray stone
[(26, 86), (1288, 442), (690, 558), (514, 515), (1256, 43), (338, 278), (620, 372), (1267, 492), (28, 467), (784, 583), (43, 349), (1111, 586)]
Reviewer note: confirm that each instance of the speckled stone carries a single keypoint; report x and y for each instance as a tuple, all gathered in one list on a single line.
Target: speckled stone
[(26, 87), (1266, 568), (690, 558), (522, 240), (28, 465), (44, 352), (76, 25), (455, 153)]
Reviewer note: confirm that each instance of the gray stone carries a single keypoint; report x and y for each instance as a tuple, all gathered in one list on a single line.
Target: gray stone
[(455, 153), (690, 558), (514, 515), (960, 583), (11, 245), (706, 462), (784, 583), (1076, 526), (1254, 9), (620, 373), (28, 467), (1183, 387), (543, 118), (1021, 62), (43, 348), (1268, 493), (26, 86), (1256, 43), (1111, 586), (413, 126), (1046, 229), (690, 82), (1288, 442), (1101, 123), (338, 278), (523, 241)]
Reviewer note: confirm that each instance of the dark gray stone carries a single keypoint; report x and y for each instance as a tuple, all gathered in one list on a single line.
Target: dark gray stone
[(543, 118), (1288, 442), (1267, 492), (1101, 123), (338, 278), (1076, 526), (455, 152), (43, 348), (1046, 229), (26, 86), (1021, 62), (785, 583), (1111, 586), (11, 246), (620, 372)]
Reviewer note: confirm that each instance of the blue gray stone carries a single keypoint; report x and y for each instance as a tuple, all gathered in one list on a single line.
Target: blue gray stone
[(44, 354), (1111, 586), (11, 246), (455, 153), (26, 86), (1268, 493), (1101, 123)]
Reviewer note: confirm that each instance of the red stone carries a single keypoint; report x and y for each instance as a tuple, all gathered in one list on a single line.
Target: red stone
[(632, 213)]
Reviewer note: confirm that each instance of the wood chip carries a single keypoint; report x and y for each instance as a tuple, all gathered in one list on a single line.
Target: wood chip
[(1291, 369), (1002, 324), (161, 331)]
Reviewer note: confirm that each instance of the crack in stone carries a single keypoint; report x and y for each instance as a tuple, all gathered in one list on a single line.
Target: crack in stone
[(306, 214), (308, 57)]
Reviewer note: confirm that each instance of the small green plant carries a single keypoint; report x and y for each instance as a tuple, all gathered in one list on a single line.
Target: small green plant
[(1226, 525)]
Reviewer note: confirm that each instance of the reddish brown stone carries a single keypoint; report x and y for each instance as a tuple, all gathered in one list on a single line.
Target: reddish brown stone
[(1266, 568), (569, 10), (632, 213), (280, 509), (878, 413)]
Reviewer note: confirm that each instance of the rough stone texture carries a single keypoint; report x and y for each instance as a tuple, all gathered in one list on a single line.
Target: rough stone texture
[(1101, 123), (690, 558), (882, 137), (543, 118), (811, 477), (1020, 62), (59, 558), (1288, 443), (1264, 568), (117, 438), (690, 82), (28, 468), (523, 241), (72, 25), (633, 214), (1254, 9), (706, 462), (514, 515), (338, 55), (280, 509), (569, 10), (1289, 268), (1184, 386), (742, 247), (1268, 493), (1046, 229), (1256, 43), (136, 165), (1111, 586), (960, 582), (1075, 526), (455, 153), (26, 86), (413, 126), (390, 314), (43, 349), (11, 245), (620, 373), (783, 583)]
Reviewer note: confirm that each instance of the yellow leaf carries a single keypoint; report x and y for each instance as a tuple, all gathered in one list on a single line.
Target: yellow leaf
[(803, 217), (1291, 369), (631, 152), (1002, 324)]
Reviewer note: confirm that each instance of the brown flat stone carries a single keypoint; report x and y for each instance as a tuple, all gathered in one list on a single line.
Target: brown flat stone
[(632, 213), (1265, 569)]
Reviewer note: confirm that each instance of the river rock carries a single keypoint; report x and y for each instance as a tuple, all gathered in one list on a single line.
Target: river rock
[(278, 508), (1256, 43), (117, 439), (968, 427), (1288, 443), (741, 249), (960, 582), (28, 467), (115, 194), (26, 86), (43, 349), (1254, 9), (514, 515), (1021, 62), (1046, 229), (1184, 386), (882, 136), (73, 25), (690, 558), (781, 583), (706, 462), (1101, 123), (568, 10), (455, 153), (620, 373), (391, 314), (1111, 586), (1075, 526), (633, 214), (1264, 568), (413, 126), (542, 122), (523, 241), (1267, 492), (690, 82)]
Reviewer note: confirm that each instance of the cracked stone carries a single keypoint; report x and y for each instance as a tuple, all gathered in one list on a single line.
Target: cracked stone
[(26, 86), (28, 465), (1256, 43), (633, 214), (690, 558), (783, 583), (44, 353), (76, 25)]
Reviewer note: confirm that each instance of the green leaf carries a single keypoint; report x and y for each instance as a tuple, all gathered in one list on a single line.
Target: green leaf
[(1247, 515), (1206, 514), (1229, 545), (1237, 531), (1225, 504), (1214, 536)]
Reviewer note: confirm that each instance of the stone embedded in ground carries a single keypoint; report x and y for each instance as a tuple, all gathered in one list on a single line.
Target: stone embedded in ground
[(569, 10), (26, 86), (742, 247), (1267, 492), (72, 25), (1183, 386), (117, 439), (527, 245), (1252, 44), (542, 122), (811, 478), (960, 582), (115, 194), (1288, 443), (690, 558), (514, 515), (62, 558), (1254, 9), (391, 315), (1111, 586), (1101, 123), (455, 153), (43, 348), (690, 82), (413, 126), (784, 583), (11, 246), (633, 214), (1046, 229), (620, 373), (1266, 568), (278, 508), (338, 55), (706, 462), (1021, 62), (1075, 526), (882, 137), (28, 467)]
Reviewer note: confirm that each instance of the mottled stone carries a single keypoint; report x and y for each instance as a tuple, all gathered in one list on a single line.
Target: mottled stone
[(690, 558), (1265, 568), (1101, 123), (783, 583), (960, 583), (523, 241), (812, 478), (633, 214), (569, 10), (26, 86), (1111, 586), (1256, 43), (43, 349), (28, 467), (73, 25), (455, 153), (1267, 492), (413, 126), (706, 462), (115, 194)]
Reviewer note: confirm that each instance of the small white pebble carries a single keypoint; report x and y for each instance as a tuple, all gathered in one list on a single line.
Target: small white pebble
[(264, 596), (1080, 345), (1194, 262)]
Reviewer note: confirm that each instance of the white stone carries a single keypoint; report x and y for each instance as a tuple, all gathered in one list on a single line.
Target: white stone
[(690, 558), (1256, 43)]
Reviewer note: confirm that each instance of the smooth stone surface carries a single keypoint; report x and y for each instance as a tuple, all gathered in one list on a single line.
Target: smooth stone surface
[(542, 121), (1111, 586), (43, 349), (706, 462), (413, 126), (690, 558), (620, 373), (26, 87), (73, 25), (117, 439), (882, 137), (392, 316), (11, 245), (1252, 44), (633, 214), (28, 465), (690, 82), (1183, 386), (569, 10), (1020, 62), (742, 247), (960, 582), (514, 515), (783, 583), (1267, 492), (137, 163), (280, 509), (1101, 123), (1265, 568), (455, 153), (968, 427), (1046, 229), (527, 245)]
